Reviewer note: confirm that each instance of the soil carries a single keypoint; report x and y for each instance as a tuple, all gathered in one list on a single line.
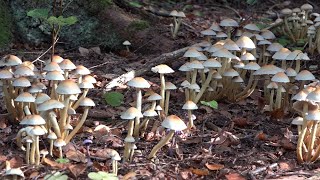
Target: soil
[(236, 141)]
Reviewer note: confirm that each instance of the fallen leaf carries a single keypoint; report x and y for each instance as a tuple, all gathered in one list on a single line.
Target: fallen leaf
[(129, 175), (3, 123), (54, 164), (185, 174), (99, 167), (277, 113), (16, 162), (287, 145), (194, 140), (234, 176), (261, 136), (240, 122), (76, 156), (200, 172), (77, 169), (33, 175), (284, 166), (219, 140), (214, 167)]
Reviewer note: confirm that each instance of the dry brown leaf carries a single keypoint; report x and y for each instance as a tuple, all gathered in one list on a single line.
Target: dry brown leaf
[(277, 113), (240, 122), (261, 136), (16, 162), (76, 156), (77, 169), (33, 175), (200, 172), (54, 164), (214, 167), (3, 123), (287, 145), (194, 140), (234, 176), (129, 175), (100, 167)]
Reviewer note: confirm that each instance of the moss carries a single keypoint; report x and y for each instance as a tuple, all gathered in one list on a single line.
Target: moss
[(96, 6), (5, 24), (138, 25)]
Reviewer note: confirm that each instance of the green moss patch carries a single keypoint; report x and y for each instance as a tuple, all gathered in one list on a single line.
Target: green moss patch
[(138, 25)]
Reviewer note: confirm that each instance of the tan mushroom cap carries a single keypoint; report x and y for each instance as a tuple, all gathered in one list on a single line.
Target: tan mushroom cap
[(230, 73), (286, 11), (162, 69), (293, 55), (212, 63), (170, 86), (54, 75), (223, 53), (89, 78), (297, 121), (50, 104), (268, 69), (291, 72), (300, 96), (34, 89), (23, 71), (231, 45), (5, 74), (56, 58), (86, 85), (192, 53), (173, 122), (313, 115), (229, 23), (245, 42), (87, 102), (52, 66), (248, 57), (251, 27), (221, 35), (52, 136), (274, 47), (215, 47), (38, 131), (306, 7), (41, 98), (215, 26), (272, 85), (264, 42), (181, 14), (280, 77), (304, 75), (129, 139), (25, 97), (267, 34), (68, 87), (190, 105), (195, 65), (237, 79), (194, 86), (216, 75), (81, 70), (67, 64), (185, 84), (314, 95), (126, 43), (21, 82), (131, 113), (298, 106), (252, 66), (208, 32), (138, 82), (59, 142), (10, 60), (33, 120), (150, 113), (154, 97), (185, 67), (281, 54)]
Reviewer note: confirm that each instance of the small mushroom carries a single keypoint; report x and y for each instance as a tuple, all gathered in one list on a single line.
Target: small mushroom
[(127, 44)]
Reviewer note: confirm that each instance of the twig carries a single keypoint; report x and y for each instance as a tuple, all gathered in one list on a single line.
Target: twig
[(38, 58), (259, 170), (99, 65), (65, 7)]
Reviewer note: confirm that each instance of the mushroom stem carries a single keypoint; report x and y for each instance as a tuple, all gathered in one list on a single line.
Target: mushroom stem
[(190, 124), (298, 62), (19, 138), (302, 135), (115, 167), (144, 125), (84, 94), (60, 152), (278, 98), (271, 100), (79, 125), (162, 91), (204, 86), (137, 119), (163, 142), (28, 153), (32, 152), (54, 123), (166, 108), (64, 114), (312, 139), (51, 147), (37, 150)]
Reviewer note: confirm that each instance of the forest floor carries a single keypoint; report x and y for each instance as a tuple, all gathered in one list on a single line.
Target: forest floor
[(237, 141)]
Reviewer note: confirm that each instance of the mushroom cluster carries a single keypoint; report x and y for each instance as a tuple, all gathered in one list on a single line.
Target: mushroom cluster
[(44, 101)]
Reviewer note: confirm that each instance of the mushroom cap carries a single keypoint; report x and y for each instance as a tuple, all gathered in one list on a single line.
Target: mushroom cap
[(297, 121), (268, 69), (313, 115), (314, 95), (252, 66), (185, 84), (131, 113), (34, 89), (185, 67), (306, 7), (216, 75), (23, 71), (280, 77), (298, 106), (67, 64), (202, 57), (215, 26), (150, 113), (41, 98), (248, 57), (252, 27), (56, 58), (14, 171), (300, 96), (25, 97), (52, 136), (239, 65), (129, 139), (50, 104), (54, 75), (303, 56), (71, 111), (10, 60), (296, 10), (272, 85), (81, 70), (38, 131), (138, 82), (267, 34), (173, 13), (33, 120), (212, 63), (192, 53), (126, 43), (59, 142), (281, 54), (231, 45), (304, 75), (5, 74), (194, 86), (87, 102), (162, 69), (170, 86), (245, 42), (181, 14), (293, 55), (221, 35), (195, 64), (68, 87), (154, 97), (44, 152), (286, 11), (21, 82), (291, 72), (190, 105), (214, 48), (230, 73), (274, 47), (208, 32), (89, 78), (173, 122), (223, 53), (52, 66), (86, 85), (229, 23), (237, 79), (264, 42)]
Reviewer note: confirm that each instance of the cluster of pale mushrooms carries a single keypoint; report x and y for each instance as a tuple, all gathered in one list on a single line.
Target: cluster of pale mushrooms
[(301, 24), (44, 102), (177, 20)]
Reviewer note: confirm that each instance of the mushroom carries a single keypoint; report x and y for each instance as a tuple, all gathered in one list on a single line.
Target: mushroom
[(67, 65), (14, 173), (36, 132), (280, 78), (168, 87), (115, 157), (59, 143), (144, 125), (172, 122), (28, 141), (52, 137), (86, 103), (44, 153), (127, 44), (138, 83), (314, 117), (190, 105)]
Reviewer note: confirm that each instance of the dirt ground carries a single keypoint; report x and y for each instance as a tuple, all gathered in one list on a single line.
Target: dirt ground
[(237, 141)]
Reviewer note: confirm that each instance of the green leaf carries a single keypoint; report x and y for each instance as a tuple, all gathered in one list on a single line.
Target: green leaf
[(113, 98), (135, 4), (95, 176), (56, 176), (101, 175), (62, 160), (301, 42), (283, 41), (39, 13), (213, 104), (61, 21), (52, 20)]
